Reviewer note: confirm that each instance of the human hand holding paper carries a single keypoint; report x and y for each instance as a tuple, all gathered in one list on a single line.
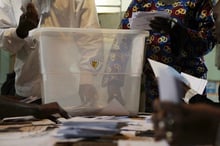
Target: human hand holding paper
[(141, 20), (172, 84)]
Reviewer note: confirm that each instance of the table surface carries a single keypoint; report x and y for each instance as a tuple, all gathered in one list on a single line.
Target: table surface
[(36, 133)]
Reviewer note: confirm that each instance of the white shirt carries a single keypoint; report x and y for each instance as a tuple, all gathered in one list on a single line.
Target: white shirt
[(78, 13)]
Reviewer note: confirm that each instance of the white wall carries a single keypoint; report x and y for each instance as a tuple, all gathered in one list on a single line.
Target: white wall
[(213, 72), (111, 12), (111, 5), (4, 66)]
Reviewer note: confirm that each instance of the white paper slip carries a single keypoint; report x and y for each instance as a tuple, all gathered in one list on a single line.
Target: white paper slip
[(142, 143), (141, 20), (196, 84), (158, 66), (171, 82)]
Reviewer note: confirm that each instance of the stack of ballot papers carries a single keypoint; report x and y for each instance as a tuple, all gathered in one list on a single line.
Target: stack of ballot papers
[(89, 128), (171, 83), (141, 20)]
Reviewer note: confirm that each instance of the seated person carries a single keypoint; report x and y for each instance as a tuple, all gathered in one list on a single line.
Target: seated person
[(21, 16), (188, 124)]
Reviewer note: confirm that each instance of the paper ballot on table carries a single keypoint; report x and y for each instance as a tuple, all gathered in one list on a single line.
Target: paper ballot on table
[(141, 20), (114, 107), (89, 128), (170, 82)]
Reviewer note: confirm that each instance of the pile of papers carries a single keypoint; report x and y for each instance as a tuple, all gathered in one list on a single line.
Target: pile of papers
[(89, 128), (141, 20)]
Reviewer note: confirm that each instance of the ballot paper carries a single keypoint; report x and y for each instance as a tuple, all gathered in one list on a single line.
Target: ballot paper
[(142, 143), (87, 132), (34, 133), (101, 126), (114, 107), (89, 128), (196, 84), (171, 82), (141, 20)]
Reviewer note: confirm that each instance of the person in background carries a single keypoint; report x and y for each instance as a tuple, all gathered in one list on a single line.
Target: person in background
[(14, 36), (187, 124), (180, 41)]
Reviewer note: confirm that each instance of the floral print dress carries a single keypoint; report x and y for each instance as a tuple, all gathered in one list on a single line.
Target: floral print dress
[(184, 49)]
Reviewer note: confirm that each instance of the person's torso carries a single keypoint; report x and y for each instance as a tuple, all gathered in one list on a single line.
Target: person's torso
[(159, 45), (53, 13), (60, 13)]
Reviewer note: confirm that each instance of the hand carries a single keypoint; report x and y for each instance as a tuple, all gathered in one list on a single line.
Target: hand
[(46, 111), (162, 24), (185, 87), (183, 124), (88, 94), (28, 21), (114, 92)]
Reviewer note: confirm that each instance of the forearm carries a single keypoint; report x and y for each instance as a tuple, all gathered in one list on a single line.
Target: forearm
[(12, 108)]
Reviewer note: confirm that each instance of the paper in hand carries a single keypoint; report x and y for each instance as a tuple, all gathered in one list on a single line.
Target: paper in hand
[(170, 82), (141, 20)]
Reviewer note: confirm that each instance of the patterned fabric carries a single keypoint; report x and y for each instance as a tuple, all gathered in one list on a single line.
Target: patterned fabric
[(185, 48)]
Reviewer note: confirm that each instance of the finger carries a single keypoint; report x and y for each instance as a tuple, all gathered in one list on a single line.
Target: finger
[(54, 119), (31, 9), (155, 27), (32, 14), (56, 108), (155, 23), (159, 134), (158, 119), (161, 18), (157, 105), (64, 114), (22, 17), (158, 21)]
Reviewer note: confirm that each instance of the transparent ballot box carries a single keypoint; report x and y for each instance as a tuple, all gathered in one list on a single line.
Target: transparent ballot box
[(91, 71)]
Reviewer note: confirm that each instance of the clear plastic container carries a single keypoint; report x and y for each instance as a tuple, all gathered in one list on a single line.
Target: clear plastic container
[(91, 71)]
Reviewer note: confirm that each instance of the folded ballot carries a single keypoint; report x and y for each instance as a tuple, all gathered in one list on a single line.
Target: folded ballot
[(171, 82)]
